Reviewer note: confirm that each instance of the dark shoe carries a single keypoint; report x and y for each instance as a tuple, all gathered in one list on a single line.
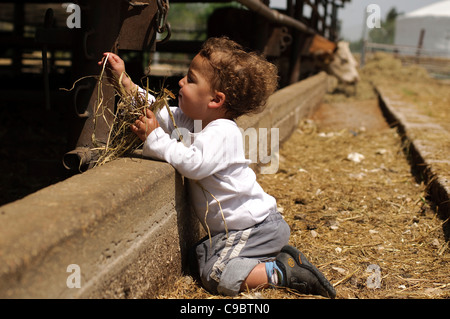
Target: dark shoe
[(301, 275)]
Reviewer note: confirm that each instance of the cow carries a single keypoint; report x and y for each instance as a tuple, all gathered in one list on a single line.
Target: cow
[(344, 65), (335, 58)]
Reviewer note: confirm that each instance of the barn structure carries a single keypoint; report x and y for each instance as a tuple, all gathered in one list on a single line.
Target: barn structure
[(427, 28)]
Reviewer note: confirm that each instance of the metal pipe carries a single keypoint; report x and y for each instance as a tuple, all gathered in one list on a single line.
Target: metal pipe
[(275, 16), (78, 159)]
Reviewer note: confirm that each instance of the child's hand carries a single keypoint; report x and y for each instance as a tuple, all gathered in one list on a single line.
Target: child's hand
[(145, 125), (115, 67)]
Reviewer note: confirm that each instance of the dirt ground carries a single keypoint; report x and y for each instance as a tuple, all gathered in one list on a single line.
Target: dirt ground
[(354, 219), (345, 187)]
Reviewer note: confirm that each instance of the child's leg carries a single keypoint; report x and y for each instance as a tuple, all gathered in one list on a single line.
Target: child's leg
[(263, 275), (229, 264), (290, 269), (256, 279), (226, 261)]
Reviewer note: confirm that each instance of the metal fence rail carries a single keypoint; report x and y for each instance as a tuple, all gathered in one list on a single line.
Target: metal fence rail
[(437, 63)]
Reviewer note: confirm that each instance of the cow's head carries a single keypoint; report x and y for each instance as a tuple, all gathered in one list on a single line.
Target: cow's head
[(344, 66), (335, 58)]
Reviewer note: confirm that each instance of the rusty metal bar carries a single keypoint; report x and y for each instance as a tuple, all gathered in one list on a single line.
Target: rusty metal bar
[(297, 43), (275, 16)]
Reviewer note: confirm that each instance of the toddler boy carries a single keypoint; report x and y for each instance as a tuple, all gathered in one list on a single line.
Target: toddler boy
[(247, 246)]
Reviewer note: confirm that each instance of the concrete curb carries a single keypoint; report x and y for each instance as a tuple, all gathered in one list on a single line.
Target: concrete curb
[(425, 139), (119, 225), (105, 221)]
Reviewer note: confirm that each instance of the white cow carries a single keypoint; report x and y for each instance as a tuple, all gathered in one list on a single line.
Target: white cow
[(343, 64), (335, 58)]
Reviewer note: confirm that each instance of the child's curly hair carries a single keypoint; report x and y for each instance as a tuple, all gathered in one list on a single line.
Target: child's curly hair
[(246, 78)]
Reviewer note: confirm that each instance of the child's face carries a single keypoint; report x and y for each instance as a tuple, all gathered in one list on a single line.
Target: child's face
[(195, 89)]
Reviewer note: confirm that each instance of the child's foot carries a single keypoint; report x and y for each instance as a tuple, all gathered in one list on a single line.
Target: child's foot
[(301, 275)]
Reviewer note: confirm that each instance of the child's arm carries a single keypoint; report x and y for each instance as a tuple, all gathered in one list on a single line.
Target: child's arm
[(211, 151), (115, 67)]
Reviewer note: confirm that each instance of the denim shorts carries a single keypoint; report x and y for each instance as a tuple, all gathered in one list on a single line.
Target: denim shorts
[(224, 262)]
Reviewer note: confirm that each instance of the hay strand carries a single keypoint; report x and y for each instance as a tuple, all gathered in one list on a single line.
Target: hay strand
[(131, 105), (207, 210), (121, 141)]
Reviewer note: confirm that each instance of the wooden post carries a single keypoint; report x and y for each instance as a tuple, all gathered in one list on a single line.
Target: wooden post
[(420, 45)]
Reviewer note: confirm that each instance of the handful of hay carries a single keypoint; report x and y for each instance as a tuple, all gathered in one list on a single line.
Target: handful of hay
[(121, 140)]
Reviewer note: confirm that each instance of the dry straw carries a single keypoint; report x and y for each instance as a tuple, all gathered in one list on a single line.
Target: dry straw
[(121, 141), (130, 106)]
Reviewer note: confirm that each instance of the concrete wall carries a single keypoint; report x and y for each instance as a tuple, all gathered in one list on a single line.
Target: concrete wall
[(126, 225)]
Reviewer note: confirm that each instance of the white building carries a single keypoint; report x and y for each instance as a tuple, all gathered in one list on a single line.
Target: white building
[(434, 19)]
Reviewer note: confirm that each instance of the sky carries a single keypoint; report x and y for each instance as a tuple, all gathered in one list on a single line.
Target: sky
[(353, 13)]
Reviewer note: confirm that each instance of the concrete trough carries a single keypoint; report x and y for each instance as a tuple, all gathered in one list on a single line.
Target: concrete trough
[(121, 230), (424, 139)]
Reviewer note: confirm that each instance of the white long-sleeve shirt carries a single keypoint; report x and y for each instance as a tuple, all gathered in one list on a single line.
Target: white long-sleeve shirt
[(213, 160)]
